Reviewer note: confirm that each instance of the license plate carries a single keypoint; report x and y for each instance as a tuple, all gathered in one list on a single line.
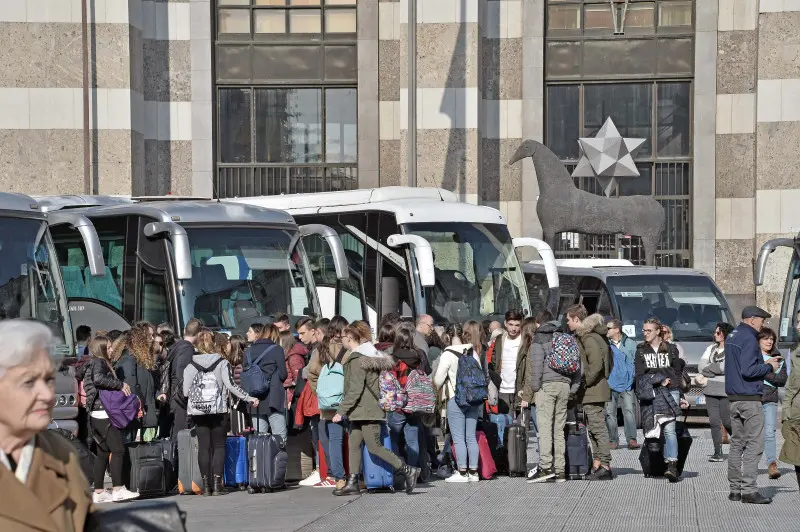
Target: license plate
[(701, 400)]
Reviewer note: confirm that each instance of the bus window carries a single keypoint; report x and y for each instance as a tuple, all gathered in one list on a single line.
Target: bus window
[(153, 299), (538, 290)]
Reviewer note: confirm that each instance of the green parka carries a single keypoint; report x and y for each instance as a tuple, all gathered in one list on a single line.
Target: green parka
[(362, 384)]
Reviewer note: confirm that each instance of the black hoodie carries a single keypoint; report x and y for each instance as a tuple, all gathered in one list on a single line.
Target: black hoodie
[(180, 356)]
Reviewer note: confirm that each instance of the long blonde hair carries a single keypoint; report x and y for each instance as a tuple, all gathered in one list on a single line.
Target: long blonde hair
[(141, 346), (473, 334)]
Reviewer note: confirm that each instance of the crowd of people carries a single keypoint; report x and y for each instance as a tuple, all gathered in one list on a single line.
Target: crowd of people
[(513, 372)]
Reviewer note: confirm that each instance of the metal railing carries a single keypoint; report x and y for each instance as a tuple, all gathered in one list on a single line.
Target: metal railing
[(271, 180)]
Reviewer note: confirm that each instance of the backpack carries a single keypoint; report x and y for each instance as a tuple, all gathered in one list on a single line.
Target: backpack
[(205, 392), (254, 380), (392, 397), (471, 387), (330, 386), (564, 356), (621, 377), (420, 394)]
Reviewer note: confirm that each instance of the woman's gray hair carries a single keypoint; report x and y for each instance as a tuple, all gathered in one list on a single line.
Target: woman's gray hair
[(20, 341)]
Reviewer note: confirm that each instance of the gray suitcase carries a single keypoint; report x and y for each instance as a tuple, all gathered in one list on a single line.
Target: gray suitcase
[(190, 480), (267, 460)]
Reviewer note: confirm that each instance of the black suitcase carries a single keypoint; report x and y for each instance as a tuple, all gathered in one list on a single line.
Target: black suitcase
[(578, 455), (267, 463), (146, 473), (516, 444), (169, 452), (651, 457)]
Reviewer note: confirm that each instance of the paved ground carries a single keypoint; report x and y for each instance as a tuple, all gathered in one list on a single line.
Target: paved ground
[(629, 503)]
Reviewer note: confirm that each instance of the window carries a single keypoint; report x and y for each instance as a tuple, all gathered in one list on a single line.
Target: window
[(675, 14), (287, 18), (598, 16), (288, 125), (153, 297), (658, 112), (564, 17), (234, 129)]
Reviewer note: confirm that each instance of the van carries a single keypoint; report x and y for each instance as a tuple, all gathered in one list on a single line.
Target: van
[(687, 300)]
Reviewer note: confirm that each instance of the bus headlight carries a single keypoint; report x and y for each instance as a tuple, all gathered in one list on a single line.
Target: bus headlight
[(62, 400), (71, 401)]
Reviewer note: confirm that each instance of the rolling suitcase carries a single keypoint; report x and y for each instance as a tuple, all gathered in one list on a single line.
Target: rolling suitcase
[(146, 473), (494, 437), (268, 460), (651, 457), (169, 450), (578, 455), (235, 473), (190, 480), (486, 466), (516, 445), (378, 474)]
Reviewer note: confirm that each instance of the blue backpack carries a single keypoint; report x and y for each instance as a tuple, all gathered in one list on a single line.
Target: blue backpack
[(254, 380), (330, 386), (471, 386), (621, 377)]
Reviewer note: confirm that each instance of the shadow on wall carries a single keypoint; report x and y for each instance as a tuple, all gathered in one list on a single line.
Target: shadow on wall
[(150, 157)]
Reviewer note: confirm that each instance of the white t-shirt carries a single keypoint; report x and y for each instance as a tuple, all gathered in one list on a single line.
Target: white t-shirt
[(508, 373)]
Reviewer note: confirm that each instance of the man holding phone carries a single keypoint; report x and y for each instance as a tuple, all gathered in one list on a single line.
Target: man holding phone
[(745, 370)]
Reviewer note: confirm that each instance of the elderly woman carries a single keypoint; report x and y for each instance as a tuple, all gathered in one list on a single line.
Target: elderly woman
[(41, 483)]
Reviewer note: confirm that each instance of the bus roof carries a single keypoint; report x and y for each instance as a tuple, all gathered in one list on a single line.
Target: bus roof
[(202, 211), (604, 272), (408, 204), (12, 201)]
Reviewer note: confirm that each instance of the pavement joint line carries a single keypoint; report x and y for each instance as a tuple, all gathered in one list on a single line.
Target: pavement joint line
[(575, 506), (349, 500)]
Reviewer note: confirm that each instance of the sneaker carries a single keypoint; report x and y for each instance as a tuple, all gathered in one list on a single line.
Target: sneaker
[(329, 482), (340, 484), (601, 473), (559, 477), (458, 476), (542, 475), (633, 444), (443, 471), (473, 477), (716, 457), (123, 494), (532, 472), (311, 479), (102, 497)]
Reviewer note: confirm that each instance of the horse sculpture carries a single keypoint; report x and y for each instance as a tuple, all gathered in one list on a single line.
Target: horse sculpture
[(562, 207)]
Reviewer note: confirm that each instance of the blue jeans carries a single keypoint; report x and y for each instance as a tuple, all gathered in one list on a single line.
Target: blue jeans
[(628, 401), (315, 425), (670, 436), (331, 435), (463, 423), (408, 426), (770, 424), (274, 423)]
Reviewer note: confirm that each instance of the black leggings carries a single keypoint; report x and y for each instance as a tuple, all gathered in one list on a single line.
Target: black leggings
[(109, 440), (210, 431)]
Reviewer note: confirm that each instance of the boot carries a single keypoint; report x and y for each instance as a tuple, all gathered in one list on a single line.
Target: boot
[(219, 486), (351, 488), (206, 488), (774, 473), (717, 456), (672, 471), (410, 473)]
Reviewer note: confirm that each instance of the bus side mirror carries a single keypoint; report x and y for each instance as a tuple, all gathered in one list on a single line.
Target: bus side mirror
[(422, 252), (335, 243), (84, 226), (180, 245), (763, 257), (550, 270)]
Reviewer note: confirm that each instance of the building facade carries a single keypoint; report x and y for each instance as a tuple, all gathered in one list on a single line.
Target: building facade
[(250, 97)]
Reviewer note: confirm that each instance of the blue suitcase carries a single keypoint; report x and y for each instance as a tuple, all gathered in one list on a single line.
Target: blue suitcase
[(378, 474), (236, 461)]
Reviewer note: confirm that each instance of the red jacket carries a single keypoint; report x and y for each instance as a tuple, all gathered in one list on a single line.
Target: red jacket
[(295, 362)]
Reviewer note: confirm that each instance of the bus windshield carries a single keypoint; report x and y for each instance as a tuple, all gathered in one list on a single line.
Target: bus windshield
[(787, 332), (28, 288), (240, 275), (691, 304), (478, 275)]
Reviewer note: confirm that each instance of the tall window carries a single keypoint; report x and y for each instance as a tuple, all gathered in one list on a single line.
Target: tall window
[(633, 62), (286, 75)]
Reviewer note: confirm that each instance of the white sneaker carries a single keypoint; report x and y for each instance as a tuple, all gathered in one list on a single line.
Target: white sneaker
[(123, 494), (457, 477), (102, 497), (311, 479), (473, 477)]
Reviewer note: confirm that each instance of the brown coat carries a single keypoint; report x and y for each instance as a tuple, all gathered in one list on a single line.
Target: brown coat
[(57, 496)]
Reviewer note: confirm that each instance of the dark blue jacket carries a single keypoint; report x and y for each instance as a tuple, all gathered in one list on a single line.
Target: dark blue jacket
[(744, 366), (274, 366)]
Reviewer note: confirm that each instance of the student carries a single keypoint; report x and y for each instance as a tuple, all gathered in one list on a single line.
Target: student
[(270, 417), (210, 420), (360, 406), (97, 375)]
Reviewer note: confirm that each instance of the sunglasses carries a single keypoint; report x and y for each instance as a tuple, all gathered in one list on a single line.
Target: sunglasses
[(650, 330)]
